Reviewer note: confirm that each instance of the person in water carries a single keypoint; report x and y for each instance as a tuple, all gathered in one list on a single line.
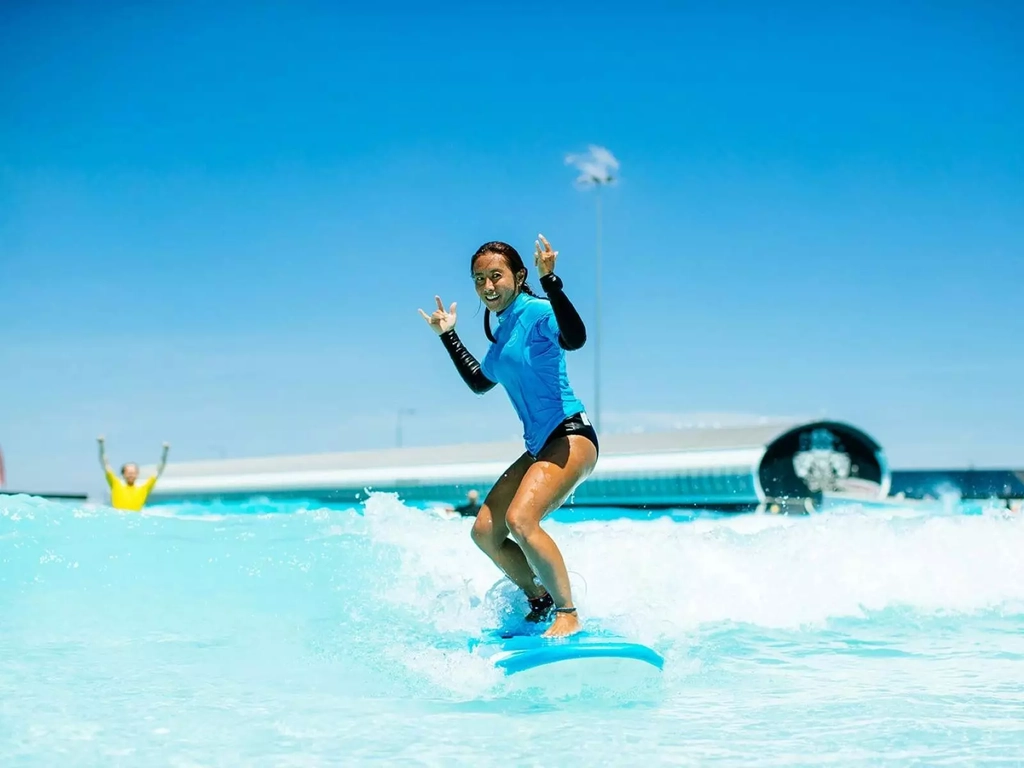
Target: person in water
[(129, 495), (527, 357), (471, 507)]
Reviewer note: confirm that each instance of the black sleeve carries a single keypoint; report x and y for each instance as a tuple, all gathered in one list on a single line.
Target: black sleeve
[(465, 363), (572, 334)]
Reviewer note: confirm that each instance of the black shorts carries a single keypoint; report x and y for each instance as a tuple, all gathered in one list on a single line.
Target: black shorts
[(577, 424)]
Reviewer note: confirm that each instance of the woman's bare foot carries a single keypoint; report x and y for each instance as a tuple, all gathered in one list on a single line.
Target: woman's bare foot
[(564, 625)]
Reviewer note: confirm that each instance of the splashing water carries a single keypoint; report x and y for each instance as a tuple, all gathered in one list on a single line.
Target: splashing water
[(284, 634)]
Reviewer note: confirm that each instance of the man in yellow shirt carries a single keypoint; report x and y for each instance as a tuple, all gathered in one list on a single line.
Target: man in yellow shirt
[(127, 495)]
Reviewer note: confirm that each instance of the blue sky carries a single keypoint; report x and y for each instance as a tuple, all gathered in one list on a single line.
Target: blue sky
[(216, 226)]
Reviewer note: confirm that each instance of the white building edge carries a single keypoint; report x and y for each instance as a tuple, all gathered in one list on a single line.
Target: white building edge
[(729, 468)]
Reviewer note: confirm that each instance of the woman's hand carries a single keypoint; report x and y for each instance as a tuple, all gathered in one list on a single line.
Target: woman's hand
[(441, 321), (543, 256)]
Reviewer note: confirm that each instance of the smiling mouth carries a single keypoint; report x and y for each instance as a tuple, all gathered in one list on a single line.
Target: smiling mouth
[(490, 297)]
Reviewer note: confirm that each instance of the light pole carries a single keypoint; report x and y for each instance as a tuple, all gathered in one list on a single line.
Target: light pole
[(596, 168), (398, 426), (598, 183)]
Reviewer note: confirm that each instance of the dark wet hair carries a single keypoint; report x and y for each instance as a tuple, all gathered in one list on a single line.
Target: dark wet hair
[(128, 464), (513, 261)]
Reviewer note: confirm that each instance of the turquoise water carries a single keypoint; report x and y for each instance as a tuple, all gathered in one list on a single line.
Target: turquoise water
[(280, 635)]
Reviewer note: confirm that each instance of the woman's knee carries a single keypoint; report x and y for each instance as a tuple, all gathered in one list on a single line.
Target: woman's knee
[(483, 533), (521, 522)]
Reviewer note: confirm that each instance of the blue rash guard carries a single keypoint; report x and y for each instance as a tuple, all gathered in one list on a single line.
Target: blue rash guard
[(527, 360)]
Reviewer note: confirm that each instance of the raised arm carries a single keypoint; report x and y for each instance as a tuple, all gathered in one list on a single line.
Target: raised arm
[(465, 363), (442, 322), (163, 460), (103, 454), (572, 333)]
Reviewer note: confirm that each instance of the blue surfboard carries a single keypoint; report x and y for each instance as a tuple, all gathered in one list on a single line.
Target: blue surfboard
[(585, 662)]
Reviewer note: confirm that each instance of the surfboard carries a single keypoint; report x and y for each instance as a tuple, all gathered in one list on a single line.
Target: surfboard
[(519, 653), (588, 663)]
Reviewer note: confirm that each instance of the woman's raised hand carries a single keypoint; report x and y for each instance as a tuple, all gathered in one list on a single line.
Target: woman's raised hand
[(441, 320)]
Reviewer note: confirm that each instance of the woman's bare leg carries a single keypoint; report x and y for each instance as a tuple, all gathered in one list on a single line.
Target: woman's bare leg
[(545, 485), (490, 531)]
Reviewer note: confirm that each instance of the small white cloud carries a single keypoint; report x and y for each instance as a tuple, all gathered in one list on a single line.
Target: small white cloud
[(597, 165)]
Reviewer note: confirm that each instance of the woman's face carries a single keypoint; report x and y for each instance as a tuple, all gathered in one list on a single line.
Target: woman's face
[(495, 284)]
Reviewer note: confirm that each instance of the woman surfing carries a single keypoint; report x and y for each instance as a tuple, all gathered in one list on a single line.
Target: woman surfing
[(527, 357)]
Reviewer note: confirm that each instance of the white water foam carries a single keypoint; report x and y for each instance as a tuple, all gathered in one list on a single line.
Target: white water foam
[(663, 577), (660, 582)]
